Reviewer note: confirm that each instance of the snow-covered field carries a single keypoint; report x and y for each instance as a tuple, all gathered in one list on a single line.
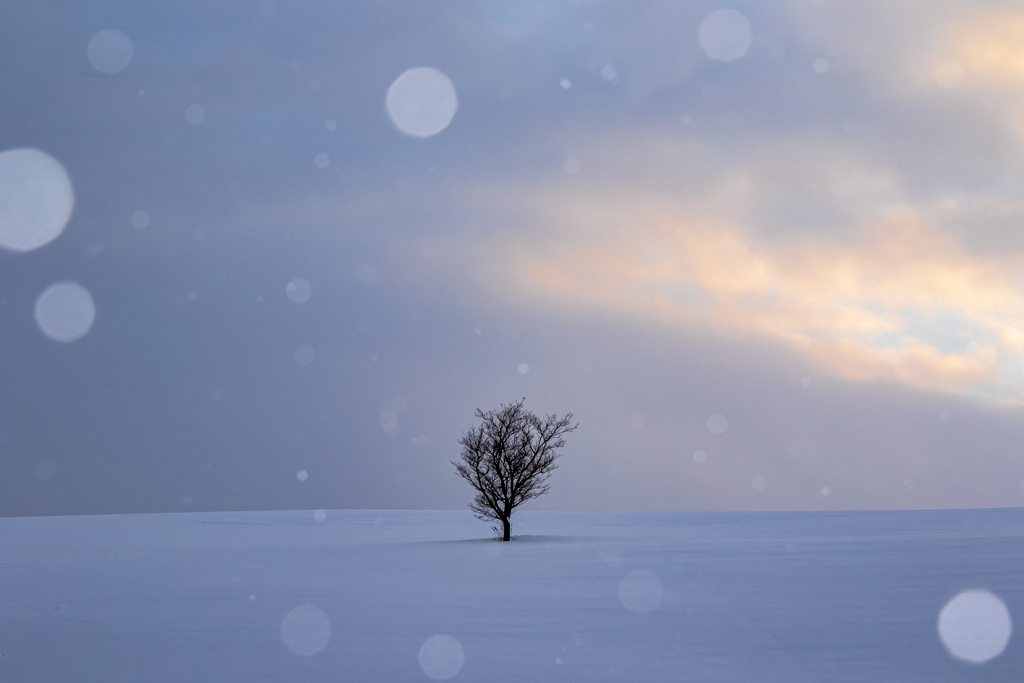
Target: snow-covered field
[(403, 596)]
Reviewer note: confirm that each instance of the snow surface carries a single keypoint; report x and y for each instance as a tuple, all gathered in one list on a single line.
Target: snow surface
[(731, 597)]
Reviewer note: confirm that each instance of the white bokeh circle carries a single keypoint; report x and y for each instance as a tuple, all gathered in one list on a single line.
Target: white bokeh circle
[(949, 74), (195, 114), (304, 355), (441, 657), (641, 591), (725, 35), (975, 626), (141, 219), (65, 311), (36, 199), (422, 102), (298, 290), (306, 630), (717, 424), (46, 470), (110, 51)]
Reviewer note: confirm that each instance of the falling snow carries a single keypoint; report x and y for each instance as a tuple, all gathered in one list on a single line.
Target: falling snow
[(304, 355), (36, 199), (975, 626), (717, 424), (441, 657), (65, 311), (195, 114), (110, 51), (298, 290), (140, 219), (388, 421), (640, 591), (395, 595), (306, 630), (949, 74), (422, 102), (725, 35), (46, 470)]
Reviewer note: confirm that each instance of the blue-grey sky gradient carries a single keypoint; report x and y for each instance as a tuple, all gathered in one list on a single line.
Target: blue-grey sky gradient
[(817, 241)]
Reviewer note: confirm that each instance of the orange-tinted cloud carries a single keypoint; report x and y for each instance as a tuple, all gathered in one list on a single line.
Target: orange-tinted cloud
[(903, 301), (988, 45)]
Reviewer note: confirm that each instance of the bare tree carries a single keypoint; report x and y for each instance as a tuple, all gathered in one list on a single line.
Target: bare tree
[(508, 458)]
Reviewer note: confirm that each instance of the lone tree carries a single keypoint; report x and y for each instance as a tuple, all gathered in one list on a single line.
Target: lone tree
[(508, 458)]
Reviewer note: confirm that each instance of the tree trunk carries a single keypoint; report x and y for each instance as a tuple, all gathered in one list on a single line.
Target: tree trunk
[(508, 529)]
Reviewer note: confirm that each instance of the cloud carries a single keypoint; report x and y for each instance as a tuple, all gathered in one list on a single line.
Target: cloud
[(987, 44), (896, 299), (727, 222)]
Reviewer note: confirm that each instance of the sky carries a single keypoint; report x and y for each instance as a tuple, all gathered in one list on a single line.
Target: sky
[(273, 255)]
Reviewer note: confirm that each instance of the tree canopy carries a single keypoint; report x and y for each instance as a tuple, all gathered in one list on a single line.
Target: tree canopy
[(508, 459)]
